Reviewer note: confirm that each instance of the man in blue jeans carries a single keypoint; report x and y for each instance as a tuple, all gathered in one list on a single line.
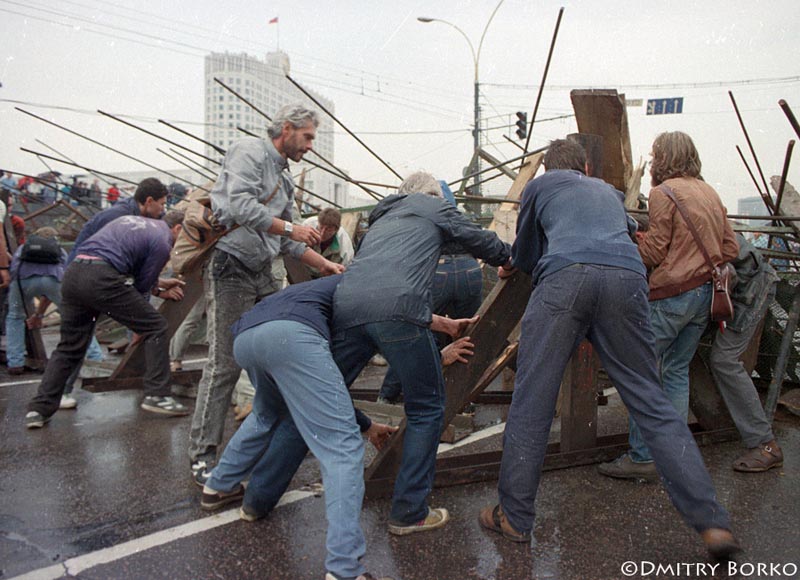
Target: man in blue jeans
[(301, 402), (573, 236), (383, 304)]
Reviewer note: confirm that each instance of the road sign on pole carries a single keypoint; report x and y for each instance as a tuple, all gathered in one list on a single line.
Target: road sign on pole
[(665, 106)]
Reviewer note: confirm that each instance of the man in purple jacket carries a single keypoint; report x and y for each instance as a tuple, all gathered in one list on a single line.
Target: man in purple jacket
[(112, 274)]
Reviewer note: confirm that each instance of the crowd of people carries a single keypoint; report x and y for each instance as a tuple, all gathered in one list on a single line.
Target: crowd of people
[(641, 298)]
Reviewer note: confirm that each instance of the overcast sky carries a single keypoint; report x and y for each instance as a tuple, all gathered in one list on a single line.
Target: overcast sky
[(403, 86)]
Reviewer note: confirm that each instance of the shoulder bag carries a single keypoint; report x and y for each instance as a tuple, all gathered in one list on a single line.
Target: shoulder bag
[(721, 304)]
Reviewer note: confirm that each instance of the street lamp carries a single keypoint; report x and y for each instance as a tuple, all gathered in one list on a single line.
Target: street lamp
[(476, 84)]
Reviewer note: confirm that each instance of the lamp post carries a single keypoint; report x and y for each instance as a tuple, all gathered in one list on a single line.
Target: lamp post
[(476, 55)]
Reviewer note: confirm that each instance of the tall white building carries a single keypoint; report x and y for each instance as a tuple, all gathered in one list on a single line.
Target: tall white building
[(263, 83)]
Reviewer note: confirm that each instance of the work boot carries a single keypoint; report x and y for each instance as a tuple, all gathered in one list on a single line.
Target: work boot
[(493, 518), (623, 467), (761, 458), (720, 543)]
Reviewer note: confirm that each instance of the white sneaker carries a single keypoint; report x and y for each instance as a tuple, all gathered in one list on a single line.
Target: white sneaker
[(68, 402)]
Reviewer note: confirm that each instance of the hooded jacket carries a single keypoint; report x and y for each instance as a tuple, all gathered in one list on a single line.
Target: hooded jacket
[(391, 275)]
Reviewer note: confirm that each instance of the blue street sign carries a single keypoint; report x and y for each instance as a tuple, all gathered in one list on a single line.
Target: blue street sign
[(665, 106)]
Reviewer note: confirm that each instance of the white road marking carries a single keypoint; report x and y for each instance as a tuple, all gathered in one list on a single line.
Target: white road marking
[(78, 564), (477, 436)]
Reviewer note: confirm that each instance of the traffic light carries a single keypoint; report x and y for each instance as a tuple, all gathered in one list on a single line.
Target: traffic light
[(522, 124)]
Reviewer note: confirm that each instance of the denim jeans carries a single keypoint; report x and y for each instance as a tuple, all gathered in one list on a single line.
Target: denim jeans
[(298, 384), (608, 306), (180, 340), (456, 292), (15, 319), (231, 289), (412, 351), (678, 323), (32, 287), (89, 289), (735, 383), (18, 312)]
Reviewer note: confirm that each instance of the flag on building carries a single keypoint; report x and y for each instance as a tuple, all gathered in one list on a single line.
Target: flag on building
[(273, 20)]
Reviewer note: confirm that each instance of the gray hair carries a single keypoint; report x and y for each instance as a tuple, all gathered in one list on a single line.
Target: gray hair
[(421, 182), (298, 116)]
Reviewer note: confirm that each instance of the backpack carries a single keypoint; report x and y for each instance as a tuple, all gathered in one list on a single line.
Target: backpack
[(40, 250), (200, 232)]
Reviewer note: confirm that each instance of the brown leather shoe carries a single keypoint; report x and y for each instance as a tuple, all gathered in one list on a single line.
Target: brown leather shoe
[(493, 518), (761, 458), (16, 370), (720, 543)]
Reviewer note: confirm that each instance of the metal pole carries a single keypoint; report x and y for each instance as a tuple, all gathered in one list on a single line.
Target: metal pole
[(506, 162), (117, 151), (344, 176), (749, 143), (76, 165), (157, 136), (784, 173), (339, 173), (216, 148), (476, 184), (349, 132), (790, 115), (544, 77), (186, 165)]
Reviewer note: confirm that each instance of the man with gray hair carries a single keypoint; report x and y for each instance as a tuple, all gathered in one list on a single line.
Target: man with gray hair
[(383, 303), (255, 192)]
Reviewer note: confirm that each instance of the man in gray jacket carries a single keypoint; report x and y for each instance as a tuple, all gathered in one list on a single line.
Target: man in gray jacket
[(383, 303), (254, 191)]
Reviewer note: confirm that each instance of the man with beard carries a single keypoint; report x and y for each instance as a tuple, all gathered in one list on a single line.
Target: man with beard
[(255, 192)]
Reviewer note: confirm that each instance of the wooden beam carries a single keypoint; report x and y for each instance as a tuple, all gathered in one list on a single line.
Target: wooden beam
[(579, 400), (492, 160), (505, 217), (602, 112), (133, 362), (499, 314), (188, 378)]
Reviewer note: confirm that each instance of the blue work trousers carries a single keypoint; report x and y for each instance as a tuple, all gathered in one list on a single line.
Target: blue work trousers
[(298, 388), (608, 306)]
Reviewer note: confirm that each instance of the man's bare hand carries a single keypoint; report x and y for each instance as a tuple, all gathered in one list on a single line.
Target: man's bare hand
[(457, 351), (329, 268), (175, 293), (168, 283), (454, 327), (5, 278), (309, 236), (33, 322), (378, 434), (505, 271)]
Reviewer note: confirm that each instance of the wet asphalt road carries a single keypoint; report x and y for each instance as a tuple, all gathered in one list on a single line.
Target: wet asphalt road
[(104, 492)]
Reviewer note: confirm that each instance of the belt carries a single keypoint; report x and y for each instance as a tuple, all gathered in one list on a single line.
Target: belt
[(450, 257), (91, 261)]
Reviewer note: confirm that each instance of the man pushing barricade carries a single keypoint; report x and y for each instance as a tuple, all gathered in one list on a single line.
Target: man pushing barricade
[(573, 237), (113, 274)]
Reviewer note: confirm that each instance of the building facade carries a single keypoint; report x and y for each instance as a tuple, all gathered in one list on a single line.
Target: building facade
[(263, 83), (752, 205)]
